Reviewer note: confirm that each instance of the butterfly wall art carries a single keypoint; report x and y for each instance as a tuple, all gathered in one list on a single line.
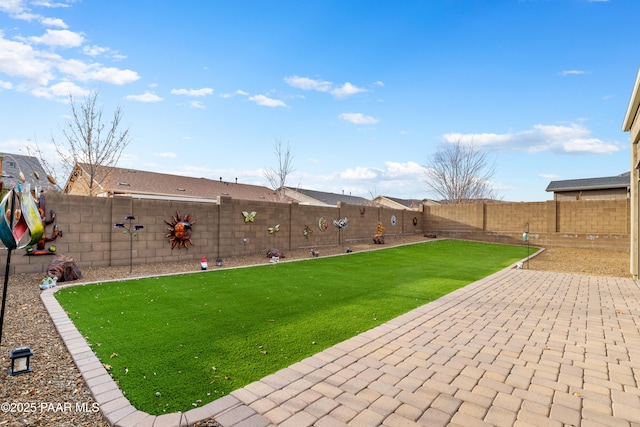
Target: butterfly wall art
[(274, 229), (249, 216)]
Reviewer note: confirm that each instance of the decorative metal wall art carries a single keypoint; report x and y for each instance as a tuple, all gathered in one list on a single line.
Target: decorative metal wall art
[(179, 231), (249, 216)]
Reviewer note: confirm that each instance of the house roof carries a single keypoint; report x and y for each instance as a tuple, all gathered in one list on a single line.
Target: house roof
[(31, 168), (407, 203), (607, 182), (324, 198), (634, 104), (143, 184)]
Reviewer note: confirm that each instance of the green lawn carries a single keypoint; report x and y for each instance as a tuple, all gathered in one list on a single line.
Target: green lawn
[(181, 341)]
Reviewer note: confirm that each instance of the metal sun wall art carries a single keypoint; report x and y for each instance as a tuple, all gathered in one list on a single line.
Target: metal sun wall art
[(179, 231), (323, 224)]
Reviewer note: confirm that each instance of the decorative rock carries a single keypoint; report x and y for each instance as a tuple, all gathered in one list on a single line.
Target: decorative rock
[(64, 269), (277, 253)]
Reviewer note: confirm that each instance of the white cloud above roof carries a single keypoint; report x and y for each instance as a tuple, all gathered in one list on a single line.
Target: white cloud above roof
[(573, 138), (358, 118)]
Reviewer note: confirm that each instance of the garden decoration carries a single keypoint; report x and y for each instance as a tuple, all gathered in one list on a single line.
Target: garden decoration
[(379, 238), (307, 231), (249, 216), (179, 231), (132, 231), (26, 216), (20, 218), (323, 224), (39, 248), (415, 221), (341, 223), (274, 229), (393, 220), (362, 211)]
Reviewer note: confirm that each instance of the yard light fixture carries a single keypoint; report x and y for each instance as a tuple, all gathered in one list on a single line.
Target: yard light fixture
[(20, 363)]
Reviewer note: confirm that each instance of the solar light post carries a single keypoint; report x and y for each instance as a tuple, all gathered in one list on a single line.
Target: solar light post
[(131, 230)]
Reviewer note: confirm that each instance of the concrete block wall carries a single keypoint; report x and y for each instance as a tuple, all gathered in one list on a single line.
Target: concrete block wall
[(602, 224), (219, 229)]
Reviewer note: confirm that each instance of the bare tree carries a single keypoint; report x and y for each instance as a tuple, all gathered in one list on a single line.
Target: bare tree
[(89, 140), (460, 173), (277, 177)]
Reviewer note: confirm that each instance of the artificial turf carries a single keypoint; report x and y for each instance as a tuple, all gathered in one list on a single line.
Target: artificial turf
[(177, 342)]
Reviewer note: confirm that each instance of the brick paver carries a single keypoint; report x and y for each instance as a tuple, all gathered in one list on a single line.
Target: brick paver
[(517, 348)]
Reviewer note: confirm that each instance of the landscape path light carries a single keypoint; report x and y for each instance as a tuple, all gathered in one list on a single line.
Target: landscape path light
[(20, 360)]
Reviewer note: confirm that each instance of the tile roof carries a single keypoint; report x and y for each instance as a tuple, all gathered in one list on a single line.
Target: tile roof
[(325, 198), (607, 182), (122, 181)]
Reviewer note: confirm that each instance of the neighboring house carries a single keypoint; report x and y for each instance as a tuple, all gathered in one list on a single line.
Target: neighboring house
[(604, 188), (321, 198), (121, 182), (395, 203), (31, 168)]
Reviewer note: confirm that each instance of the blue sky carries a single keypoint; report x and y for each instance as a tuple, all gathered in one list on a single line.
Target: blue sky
[(363, 91)]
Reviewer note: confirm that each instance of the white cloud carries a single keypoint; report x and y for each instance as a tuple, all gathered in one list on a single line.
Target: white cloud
[(358, 118), (59, 90), (571, 72), (49, 4), (550, 176), (230, 95), (266, 101), (20, 60), (61, 38), (5, 85), (96, 50), (306, 83), (399, 170), (53, 22), (12, 7), (87, 72), (145, 97), (359, 173), (378, 83), (344, 91), (573, 138), (193, 92), (347, 90), (197, 104), (166, 155)]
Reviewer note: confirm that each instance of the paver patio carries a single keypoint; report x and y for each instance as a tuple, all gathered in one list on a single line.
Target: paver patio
[(517, 348)]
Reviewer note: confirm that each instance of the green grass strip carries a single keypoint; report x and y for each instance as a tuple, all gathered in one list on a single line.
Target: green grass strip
[(177, 342)]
